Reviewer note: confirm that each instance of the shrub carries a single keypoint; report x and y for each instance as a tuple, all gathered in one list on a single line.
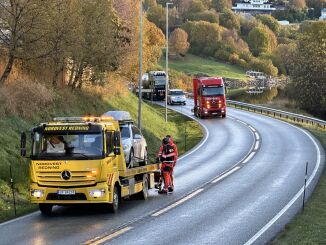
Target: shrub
[(24, 98)]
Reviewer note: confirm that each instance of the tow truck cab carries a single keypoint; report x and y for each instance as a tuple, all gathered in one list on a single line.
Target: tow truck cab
[(209, 97), (78, 160)]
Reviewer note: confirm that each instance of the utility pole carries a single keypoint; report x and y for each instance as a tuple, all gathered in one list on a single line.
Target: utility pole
[(167, 61), (140, 83)]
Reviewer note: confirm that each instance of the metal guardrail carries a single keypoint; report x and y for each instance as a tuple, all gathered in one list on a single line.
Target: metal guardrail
[(297, 118)]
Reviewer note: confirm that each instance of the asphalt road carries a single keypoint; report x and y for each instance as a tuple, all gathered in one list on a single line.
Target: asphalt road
[(242, 185)]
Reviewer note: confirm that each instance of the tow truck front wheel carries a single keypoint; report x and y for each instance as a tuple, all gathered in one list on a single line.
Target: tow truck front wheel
[(46, 209), (114, 206)]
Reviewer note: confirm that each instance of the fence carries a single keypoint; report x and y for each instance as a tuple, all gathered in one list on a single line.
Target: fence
[(297, 118)]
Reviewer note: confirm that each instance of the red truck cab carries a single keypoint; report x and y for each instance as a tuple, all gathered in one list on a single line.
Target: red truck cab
[(209, 97)]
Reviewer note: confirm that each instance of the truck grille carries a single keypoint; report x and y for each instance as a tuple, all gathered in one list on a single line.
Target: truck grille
[(53, 178)]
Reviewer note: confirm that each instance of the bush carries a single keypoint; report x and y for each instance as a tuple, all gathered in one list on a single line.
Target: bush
[(208, 15), (222, 54), (229, 20), (263, 65), (233, 58), (269, 21), (24, 98), (261, 40)]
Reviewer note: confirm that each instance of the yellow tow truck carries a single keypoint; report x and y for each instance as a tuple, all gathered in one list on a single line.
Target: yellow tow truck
[(77, 160)]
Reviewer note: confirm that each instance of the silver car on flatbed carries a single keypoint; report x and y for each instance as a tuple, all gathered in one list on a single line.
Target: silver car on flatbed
[(134, 143)]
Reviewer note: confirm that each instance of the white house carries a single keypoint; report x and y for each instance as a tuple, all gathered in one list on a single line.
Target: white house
[(254, 7), (323, 14)]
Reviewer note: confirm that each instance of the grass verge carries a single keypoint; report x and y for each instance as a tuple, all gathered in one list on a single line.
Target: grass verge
[(192, 64), (79, 103)]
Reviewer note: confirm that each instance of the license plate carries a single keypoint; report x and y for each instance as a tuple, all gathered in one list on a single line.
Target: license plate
[(66, 192)]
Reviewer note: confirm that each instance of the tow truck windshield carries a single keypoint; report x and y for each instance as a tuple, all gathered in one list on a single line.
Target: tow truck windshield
[(67, 145), (213, 91)]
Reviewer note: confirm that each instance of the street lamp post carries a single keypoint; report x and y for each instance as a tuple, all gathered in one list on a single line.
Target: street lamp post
[(167, 61), (140, 65)]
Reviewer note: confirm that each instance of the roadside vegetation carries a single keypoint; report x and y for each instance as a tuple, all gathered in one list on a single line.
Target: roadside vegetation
[(17, 117)]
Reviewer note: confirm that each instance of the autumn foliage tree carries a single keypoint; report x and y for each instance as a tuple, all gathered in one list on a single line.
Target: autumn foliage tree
[(309, 69), (261, 40), (178, 42)]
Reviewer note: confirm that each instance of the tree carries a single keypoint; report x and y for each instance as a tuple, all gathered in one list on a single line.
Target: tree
[(297, 4), (269, 21), (203, 36), (207, 15), (309, 69), (157, 15), (221, 5), (261, 40), (63, 32), (178, 41), (229, 20), (21, 21)]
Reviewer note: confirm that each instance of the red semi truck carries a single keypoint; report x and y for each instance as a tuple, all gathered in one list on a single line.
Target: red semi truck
[(209, 97)]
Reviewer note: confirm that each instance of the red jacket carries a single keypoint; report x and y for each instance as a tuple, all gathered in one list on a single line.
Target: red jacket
[(169, 152)]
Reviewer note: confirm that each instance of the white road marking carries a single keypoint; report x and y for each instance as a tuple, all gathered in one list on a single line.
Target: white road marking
[(225, 175), (17, 219), (249, 157), (242, 122), (294, 199), (257, 136), (256, 145), (177, 203), (252, 128), (110, 237)]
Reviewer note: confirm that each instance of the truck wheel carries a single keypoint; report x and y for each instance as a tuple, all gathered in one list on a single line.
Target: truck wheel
[(46, 209), (223, 115), (144, 163), (114, 206), (143, 195)]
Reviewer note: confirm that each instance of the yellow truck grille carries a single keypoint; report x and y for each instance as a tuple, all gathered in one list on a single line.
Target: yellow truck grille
[(77, 178)]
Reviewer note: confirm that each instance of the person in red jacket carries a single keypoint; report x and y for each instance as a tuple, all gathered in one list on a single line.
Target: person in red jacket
[(168, 155)]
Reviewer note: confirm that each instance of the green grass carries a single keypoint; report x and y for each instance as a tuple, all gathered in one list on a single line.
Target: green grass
[(194, 64), (69, 103)]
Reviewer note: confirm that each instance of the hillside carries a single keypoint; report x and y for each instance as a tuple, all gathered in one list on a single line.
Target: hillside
[(192, 64), (16, 116)]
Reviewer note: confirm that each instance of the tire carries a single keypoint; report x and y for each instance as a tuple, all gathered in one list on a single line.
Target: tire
[(143, 195), (131, 161), (114, 206), (144, 163), (223, 115), (46, 209)]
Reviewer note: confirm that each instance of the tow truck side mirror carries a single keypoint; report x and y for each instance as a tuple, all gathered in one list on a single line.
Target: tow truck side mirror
[(117, 149), (23, 144)]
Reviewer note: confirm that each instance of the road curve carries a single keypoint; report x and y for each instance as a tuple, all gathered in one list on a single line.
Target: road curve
[(226, 143), (251, 205)]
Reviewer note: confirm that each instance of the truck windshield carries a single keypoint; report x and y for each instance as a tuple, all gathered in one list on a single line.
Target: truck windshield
[(69, 145), (213, 91)]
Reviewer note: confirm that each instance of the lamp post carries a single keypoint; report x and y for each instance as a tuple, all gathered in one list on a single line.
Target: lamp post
[(140, 83), (167, 61)]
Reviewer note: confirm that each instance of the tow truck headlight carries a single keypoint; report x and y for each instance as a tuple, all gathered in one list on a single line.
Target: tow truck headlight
[(97, 193), (37, 193)]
